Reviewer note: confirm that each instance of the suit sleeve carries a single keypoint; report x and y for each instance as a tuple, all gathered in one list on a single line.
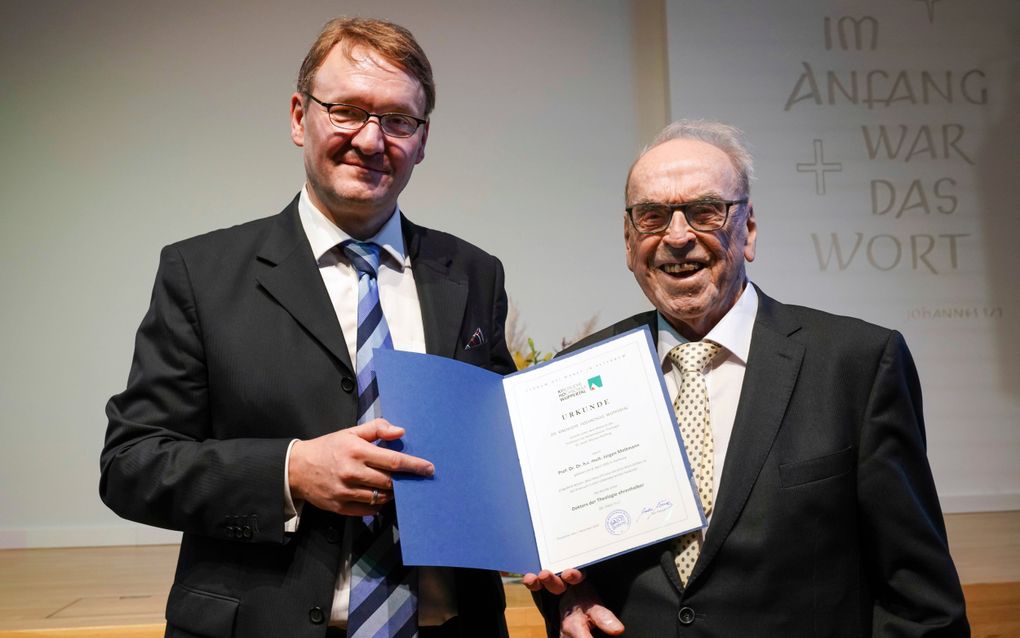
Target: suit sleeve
[(161, 463), (915, 585)]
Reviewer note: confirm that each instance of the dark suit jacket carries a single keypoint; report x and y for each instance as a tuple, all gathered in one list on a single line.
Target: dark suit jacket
[(239, 353), (826, 522)]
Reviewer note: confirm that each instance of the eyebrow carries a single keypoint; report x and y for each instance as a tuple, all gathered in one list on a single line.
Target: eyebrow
[(700, 198)]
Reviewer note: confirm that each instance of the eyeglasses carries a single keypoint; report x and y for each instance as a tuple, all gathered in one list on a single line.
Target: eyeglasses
[(701, 214), (352, 118)]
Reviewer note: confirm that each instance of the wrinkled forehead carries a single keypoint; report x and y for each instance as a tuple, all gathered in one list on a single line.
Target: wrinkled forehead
[(682, 170)]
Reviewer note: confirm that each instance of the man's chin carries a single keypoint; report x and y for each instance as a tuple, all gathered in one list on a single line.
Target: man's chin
[(687, 307), (356, 211), (369, 199), (688, 287)]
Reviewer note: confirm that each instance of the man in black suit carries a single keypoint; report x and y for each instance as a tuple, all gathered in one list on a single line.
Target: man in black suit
[(237, 425), (823, 516)]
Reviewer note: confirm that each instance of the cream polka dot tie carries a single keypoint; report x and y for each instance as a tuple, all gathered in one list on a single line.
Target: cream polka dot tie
[(692, 415)]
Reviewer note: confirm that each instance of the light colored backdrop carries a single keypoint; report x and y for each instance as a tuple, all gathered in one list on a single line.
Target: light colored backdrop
[(917, 232), (127, 125)]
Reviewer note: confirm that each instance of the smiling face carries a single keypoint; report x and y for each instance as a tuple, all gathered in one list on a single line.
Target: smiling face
[(354, 177), (692, 277)]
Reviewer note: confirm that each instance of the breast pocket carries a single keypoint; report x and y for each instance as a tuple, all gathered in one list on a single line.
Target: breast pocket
[(817, 469)]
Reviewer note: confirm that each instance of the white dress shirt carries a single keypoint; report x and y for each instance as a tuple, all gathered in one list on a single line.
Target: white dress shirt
[(724, 375), (398, 297)]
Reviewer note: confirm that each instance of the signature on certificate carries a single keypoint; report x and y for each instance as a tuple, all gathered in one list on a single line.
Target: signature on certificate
[(660, 507)]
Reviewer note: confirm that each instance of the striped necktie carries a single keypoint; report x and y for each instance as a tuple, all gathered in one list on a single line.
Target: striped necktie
[(384, 600), (692, 415)]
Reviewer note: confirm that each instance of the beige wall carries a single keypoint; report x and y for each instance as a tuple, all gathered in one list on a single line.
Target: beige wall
[(126, 126), (129, 125)]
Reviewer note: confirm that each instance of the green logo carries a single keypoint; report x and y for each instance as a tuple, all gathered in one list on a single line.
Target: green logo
[(595, 382)]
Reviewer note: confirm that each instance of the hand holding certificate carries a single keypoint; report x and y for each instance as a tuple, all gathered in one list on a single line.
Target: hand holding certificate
[(561, 465)]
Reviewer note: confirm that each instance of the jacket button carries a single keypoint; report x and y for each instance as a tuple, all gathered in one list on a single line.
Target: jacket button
[(686, 616), (315, 615), (347, 385), (332, 535)]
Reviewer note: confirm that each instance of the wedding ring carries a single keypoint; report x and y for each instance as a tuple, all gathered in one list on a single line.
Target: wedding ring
[(375, 497)]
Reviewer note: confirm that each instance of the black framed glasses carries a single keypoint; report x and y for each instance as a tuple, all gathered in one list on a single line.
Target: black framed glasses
[(352, 118), (701, 214)]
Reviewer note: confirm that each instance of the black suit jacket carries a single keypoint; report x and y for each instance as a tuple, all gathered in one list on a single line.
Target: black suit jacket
[(827, 522), (239, 353)]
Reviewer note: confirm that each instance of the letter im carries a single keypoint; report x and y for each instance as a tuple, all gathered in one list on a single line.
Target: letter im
[(848, 26)]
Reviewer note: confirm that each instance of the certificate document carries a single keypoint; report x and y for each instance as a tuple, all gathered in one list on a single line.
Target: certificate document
[(560, 465)]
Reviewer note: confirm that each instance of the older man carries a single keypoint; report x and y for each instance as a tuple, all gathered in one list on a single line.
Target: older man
[(249, 418), (810, 460)]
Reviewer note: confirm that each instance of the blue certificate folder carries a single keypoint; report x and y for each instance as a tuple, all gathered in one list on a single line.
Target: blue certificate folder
[(474, 511)]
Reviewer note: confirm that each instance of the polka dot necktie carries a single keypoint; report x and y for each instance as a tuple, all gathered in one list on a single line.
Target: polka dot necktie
[(384, 598), (692, 415)]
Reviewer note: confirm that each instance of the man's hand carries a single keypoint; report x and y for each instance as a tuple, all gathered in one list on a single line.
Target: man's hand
[(341, 471), (581, 609), (552, 583)]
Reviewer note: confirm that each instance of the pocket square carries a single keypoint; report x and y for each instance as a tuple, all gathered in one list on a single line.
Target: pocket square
[(477, 339)]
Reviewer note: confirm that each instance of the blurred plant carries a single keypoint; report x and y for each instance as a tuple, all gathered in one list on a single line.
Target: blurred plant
[(523, 348), (532, 357)]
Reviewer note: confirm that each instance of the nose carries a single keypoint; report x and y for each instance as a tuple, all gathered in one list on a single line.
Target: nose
[(678, 232), (369, 138)]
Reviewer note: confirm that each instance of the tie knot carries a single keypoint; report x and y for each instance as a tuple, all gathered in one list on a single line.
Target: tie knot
[(693, 356), (364, 256)]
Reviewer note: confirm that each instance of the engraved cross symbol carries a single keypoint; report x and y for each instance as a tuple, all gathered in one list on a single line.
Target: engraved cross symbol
[(820, 167)]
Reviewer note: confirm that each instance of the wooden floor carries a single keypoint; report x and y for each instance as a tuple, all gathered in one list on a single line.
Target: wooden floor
[(120, 592)]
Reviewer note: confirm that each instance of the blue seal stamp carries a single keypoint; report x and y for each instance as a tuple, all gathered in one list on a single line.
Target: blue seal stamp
[(617, 522)]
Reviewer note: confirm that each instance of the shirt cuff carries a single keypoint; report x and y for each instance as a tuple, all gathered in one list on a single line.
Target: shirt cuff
[(291, 510)]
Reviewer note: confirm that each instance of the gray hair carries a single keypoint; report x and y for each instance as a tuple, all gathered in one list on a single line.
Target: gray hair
[(728, 139)]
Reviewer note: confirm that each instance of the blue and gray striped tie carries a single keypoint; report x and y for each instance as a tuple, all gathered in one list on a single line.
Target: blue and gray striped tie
[(384, 600)]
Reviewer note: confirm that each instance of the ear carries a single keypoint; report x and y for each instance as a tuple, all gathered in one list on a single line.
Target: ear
[(421, 145), (628, 234), (297, 119), (752, 233)]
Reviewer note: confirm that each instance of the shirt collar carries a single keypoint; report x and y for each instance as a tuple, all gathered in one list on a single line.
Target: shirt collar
[(324, 235), (733, 332)]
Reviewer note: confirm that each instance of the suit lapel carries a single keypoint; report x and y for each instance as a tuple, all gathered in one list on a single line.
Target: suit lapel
[(650, 319), (442, 294), (291, 276), (773, 364)]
